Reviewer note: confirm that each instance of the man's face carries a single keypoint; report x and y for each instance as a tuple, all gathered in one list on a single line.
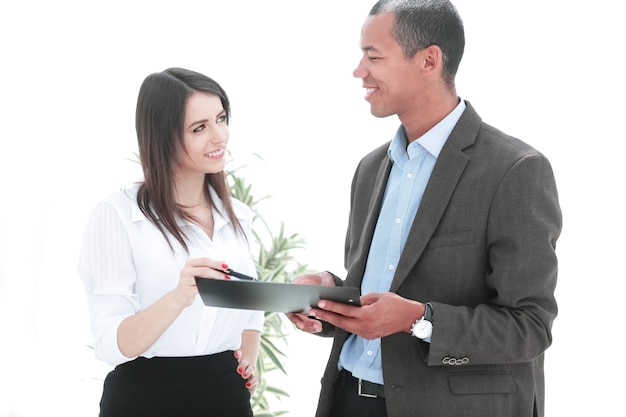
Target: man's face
[(391, 81)]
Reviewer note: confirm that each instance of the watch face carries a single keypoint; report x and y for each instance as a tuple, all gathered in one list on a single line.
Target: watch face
[(422, 329)]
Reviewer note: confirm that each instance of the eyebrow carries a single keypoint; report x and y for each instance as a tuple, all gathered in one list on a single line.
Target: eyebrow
[(197, 122), (369, 48)]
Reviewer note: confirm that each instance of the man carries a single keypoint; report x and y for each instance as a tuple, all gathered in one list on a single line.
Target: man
[(451, 238)]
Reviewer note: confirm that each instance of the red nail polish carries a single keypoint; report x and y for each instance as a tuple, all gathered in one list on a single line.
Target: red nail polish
[(227, 278), (224, 266), (248, 385), (239, 370)]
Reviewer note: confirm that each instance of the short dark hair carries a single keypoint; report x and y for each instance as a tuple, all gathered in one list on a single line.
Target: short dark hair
[(422, 23)]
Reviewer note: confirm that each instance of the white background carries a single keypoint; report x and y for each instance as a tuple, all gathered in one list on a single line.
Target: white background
[(548, 72)]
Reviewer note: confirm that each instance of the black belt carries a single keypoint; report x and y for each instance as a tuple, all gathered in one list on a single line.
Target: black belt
[(363, 388)]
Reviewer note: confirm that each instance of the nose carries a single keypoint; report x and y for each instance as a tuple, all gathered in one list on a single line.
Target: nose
[(360, 71), (220, 134)]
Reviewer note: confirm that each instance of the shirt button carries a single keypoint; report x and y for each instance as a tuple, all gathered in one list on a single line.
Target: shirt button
[(409, 175), (398, 221), (370, 353), (392, 267)]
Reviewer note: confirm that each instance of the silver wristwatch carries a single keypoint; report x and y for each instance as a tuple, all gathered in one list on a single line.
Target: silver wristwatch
[(423, 328)]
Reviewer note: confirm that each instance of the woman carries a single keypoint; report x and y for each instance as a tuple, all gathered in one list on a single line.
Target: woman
[(143, 247)]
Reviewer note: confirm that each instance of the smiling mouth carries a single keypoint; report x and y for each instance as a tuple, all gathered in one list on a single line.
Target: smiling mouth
[(216, 154), (369, 91)]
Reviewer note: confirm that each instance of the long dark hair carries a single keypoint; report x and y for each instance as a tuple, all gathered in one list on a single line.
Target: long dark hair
[(159, 123)]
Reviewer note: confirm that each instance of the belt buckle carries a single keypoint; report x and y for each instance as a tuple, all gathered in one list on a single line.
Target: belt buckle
[(361, 393)]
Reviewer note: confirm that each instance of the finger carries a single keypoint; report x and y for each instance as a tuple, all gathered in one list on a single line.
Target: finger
[(206, 263), (304, 323), (252, 384), (342, 309), (307, 279), (296, 318), (370, 298), (243, 366), (209, 272), (292, 317), (348, 323), (248, 372), (237, 355)]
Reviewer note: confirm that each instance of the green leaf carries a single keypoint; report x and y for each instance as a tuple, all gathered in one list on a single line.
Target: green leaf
[(275, 262)]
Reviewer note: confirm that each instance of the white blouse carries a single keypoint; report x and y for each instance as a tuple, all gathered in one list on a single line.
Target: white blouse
[(126, 265)]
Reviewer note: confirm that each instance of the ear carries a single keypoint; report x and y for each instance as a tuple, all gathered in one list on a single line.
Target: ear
[(431, 59)]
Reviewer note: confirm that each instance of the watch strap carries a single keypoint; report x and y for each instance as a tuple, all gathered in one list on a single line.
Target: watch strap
[(424, 333), (428, 312)]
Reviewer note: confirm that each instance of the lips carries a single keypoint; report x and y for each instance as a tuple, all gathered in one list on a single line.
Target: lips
[(216, 154), (369, 91)]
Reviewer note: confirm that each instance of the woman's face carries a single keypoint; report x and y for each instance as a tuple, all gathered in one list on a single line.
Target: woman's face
[(205, 136)]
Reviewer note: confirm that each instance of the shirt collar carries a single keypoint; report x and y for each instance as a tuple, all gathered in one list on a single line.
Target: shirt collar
[(432, 141), (220, 218)]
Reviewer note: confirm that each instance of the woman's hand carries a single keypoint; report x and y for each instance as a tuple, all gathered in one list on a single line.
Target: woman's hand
[(186, 291), (246, 369), (138, 332)]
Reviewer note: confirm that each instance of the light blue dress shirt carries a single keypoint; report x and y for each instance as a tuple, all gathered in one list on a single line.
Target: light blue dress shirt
[(412, 166)]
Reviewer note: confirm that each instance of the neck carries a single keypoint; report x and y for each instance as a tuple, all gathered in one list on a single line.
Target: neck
[(419, 121), (188, 199), (190, 192), (192, 206)]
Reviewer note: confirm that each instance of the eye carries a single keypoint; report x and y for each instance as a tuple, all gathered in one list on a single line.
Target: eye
[(221, 119), (199, 128)]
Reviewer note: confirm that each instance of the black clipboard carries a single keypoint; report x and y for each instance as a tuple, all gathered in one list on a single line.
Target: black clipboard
[(271, 296)]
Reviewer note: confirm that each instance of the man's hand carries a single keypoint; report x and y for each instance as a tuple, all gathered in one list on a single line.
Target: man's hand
[(380, 314), (301, 320)]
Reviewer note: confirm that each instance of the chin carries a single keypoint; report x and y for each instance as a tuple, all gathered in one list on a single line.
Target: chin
[(379, 113), (214, 169)]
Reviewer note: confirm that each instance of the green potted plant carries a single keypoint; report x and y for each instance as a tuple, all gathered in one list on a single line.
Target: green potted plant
[(274, 262)]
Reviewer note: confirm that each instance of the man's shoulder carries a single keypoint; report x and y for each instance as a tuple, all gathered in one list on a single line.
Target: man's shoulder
[(503, 143), (472, 132)]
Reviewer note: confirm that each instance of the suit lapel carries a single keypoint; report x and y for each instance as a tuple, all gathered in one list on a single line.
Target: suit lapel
[(445, 176), (436, 196), (355, 274)]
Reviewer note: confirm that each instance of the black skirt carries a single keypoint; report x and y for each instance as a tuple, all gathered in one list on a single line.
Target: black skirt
[(197, 386)]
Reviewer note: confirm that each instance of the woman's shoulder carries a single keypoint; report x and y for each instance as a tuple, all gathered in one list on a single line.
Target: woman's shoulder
[(121, 203), (124, 197)]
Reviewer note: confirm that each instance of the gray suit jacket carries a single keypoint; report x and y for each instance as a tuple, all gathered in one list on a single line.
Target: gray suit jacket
[(482, 250)]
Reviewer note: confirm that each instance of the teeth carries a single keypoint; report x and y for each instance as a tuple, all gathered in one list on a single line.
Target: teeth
[(216, 153), (370, 90)]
